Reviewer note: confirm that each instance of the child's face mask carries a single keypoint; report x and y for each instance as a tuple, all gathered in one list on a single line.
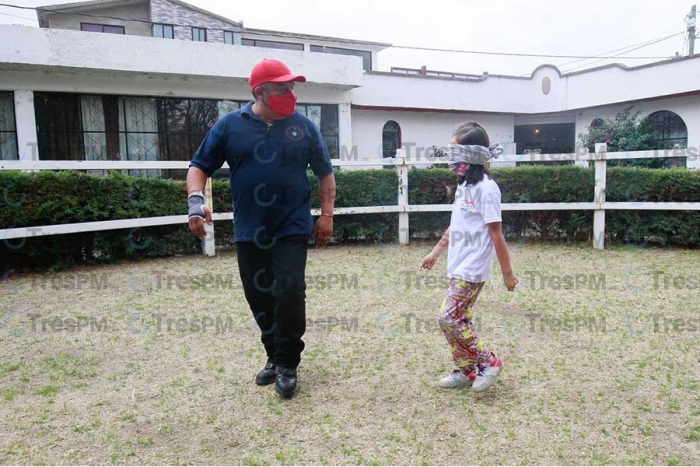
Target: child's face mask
[(460, 168), (457, 159)]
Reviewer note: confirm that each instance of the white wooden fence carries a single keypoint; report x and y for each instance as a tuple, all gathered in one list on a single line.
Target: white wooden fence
[(598, 205)]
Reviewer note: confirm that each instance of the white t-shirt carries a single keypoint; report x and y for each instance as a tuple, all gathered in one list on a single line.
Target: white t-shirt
[(470, 253)]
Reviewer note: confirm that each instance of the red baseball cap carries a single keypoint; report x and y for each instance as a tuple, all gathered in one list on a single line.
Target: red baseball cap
[(272, 70)]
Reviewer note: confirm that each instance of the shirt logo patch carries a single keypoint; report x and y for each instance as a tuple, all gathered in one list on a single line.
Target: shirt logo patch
[(294, 133), (467, 206)]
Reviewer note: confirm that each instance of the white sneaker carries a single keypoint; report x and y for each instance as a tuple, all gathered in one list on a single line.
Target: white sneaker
[(457, 379), (487, 375)]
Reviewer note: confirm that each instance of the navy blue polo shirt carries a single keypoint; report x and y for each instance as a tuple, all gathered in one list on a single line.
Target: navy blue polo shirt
[(269, 184)]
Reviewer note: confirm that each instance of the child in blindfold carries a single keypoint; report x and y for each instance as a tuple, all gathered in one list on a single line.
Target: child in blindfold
[(472, 240)]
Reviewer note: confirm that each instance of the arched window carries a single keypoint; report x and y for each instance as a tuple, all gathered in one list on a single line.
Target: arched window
[(391, 138), (597, 122), (669, 129)]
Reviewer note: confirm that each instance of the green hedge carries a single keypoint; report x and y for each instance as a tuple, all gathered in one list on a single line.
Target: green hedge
[(531, 184), (61, 197), (65, 197), (518, 185), (358, 188)]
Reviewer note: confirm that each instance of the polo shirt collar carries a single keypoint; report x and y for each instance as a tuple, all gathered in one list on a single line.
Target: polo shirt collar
[(247, 112)]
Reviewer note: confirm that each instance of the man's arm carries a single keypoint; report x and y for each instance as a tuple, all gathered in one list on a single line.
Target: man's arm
[(208, 158), (196, 182), (326, 186), (321, 166), (324, 226)]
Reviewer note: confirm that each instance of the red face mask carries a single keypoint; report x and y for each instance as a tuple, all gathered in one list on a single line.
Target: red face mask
[(283, 105)]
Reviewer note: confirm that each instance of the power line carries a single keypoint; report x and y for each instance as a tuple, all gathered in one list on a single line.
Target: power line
[(431, 49), (514, 54), (15, 16), (625, 50), (621, 48), (601, 54), (616, 56)]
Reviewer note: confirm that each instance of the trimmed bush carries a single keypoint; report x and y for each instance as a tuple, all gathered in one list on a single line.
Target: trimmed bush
[(31, 199)]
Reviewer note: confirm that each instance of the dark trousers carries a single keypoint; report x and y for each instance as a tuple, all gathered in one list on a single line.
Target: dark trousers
[(275, 288)]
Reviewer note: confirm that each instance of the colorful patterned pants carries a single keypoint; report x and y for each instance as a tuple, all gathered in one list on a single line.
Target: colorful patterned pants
[(458, 327)]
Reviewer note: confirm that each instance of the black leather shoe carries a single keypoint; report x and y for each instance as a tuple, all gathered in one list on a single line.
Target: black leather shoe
[(267, 375), (286, 382)]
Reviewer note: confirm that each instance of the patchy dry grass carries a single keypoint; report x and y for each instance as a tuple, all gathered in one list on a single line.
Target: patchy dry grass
[(95, 367)]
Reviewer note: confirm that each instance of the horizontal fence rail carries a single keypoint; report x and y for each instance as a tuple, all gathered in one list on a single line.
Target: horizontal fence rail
[(403, 208), (421, 160)]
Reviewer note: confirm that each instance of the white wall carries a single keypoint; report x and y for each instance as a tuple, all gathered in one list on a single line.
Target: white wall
[(137, 11), (526, 95), (419, 130), (491, 95), (616, 84), (155, 85), (27, 46), (545, 119)]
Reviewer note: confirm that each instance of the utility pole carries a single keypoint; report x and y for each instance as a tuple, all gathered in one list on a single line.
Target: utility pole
[(690, 22)]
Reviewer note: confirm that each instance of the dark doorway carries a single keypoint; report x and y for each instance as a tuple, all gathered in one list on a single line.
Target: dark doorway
[(551, 138)]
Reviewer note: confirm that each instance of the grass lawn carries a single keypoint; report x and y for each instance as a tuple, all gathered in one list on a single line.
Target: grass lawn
[(153, 363)]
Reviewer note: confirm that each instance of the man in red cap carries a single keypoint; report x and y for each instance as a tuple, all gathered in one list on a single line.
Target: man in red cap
[(269, 147)]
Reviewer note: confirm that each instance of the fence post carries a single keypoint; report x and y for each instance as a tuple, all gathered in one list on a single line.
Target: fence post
[(209, 244), (402, 170), (600, 183)]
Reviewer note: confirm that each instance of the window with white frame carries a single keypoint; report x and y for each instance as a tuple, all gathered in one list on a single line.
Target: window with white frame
[(8, 127), (199, 34), (325, 117), (272, 44), (163, 31), (391, 139), (668, 129), (106, 127), (108, 28), (364, 54)]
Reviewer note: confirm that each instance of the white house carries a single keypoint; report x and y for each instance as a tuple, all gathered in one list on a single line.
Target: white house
[(146, 79)]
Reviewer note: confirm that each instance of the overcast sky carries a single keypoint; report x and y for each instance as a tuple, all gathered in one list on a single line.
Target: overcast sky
[(552, 27)]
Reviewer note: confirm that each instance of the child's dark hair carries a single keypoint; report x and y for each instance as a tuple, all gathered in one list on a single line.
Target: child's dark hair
[(472, 134)]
